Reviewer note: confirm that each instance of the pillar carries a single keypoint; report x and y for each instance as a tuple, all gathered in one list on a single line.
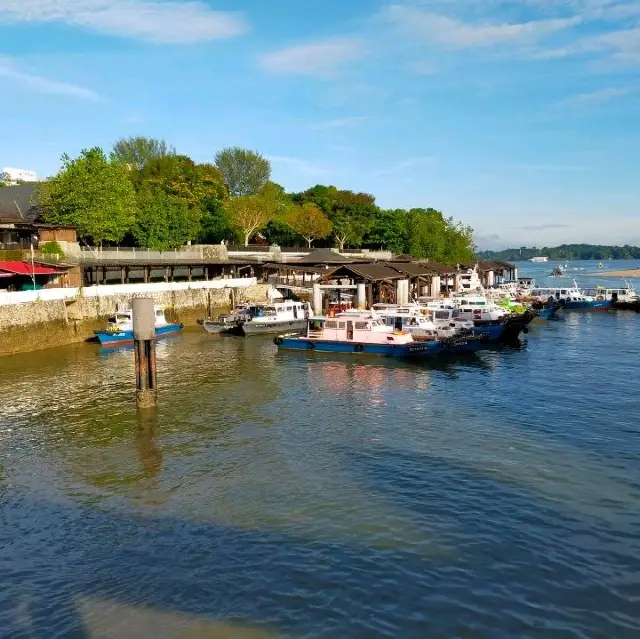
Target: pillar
[(144, 333), (189, 273), (456, 283), (361, 296), (166, 273), (317, 299), (490, 278), (206, 273), (126, 274), (145, 273), (436, 283), (104, 274), (402, 291), (122, 274)]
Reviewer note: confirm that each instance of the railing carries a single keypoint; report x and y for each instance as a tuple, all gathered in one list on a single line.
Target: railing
[(50, 294), (118, 254), (252, 248)]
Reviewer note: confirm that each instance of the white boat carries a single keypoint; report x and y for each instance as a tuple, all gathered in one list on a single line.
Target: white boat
[(623, 298), (539, 258), (414, 321), (478, 308), (119, 329), (274, 317)]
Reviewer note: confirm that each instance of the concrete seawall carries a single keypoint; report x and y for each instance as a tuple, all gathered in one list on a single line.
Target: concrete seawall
[(42, 324)]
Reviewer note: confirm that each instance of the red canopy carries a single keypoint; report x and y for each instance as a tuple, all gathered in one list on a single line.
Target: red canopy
[(25, 268)]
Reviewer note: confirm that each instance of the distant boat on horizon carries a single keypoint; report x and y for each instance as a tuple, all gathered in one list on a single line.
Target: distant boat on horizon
[(539, 258)]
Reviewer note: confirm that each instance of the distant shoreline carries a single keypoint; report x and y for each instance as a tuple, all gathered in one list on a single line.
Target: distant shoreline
[(631, 272)]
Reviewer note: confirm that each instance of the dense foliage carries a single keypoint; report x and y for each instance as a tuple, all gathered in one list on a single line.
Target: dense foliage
[(148, 194), (566, 252)]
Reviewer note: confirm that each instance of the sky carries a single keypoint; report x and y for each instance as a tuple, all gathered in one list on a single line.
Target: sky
[(520, 118)]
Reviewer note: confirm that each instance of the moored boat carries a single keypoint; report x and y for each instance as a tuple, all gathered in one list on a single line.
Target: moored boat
[(119, 329), (274, 317)]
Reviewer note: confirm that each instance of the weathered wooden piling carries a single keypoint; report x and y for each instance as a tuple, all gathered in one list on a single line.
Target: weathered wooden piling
[(144, 333)]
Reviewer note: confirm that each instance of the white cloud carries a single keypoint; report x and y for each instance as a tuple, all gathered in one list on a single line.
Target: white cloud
[(44, 85), (593, 97), (341, 123), (314, 58), (456, 34), (171, 22), (298, 165)]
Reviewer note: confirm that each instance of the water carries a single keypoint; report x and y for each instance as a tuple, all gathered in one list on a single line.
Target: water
[(283, 495)]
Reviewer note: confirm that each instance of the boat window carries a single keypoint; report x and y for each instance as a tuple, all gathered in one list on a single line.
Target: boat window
[(331, 324), (159, 313), (121, 318), (361, 326), (289, 308), (112, 319), (341, 324)]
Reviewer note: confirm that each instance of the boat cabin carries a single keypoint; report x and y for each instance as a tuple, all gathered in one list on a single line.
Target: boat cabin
[(123, 319), (287, 310), (365, 327), (613, 294)]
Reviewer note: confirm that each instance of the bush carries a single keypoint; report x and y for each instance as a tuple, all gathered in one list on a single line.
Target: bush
[(52, 248)]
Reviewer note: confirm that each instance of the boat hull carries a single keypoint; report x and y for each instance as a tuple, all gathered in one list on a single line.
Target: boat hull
[(587, 305), (550, 312), (626, 306), (411, 350), (215, 328), (112, 338), (258, 328)]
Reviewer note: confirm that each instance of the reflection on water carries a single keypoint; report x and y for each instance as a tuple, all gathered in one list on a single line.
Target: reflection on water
[(272, 494)]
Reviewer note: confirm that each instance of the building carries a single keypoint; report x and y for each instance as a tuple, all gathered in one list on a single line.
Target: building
[(15, 176), (20, 224)]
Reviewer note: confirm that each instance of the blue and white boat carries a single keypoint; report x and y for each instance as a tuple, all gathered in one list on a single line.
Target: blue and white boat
[(119, 328), (365, 333), (572, 298)]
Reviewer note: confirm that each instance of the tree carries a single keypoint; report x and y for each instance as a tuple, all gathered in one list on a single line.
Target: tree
[(310, 222), (388, 231), (163, 221), (215, 223), (5, 179), (245, 172), (249, 213), (138, 151), (92, 194)]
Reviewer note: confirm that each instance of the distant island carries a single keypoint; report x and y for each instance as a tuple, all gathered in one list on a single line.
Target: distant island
[(565, 252)]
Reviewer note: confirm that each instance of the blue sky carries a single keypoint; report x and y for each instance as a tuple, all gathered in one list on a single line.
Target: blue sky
[(521, 118)]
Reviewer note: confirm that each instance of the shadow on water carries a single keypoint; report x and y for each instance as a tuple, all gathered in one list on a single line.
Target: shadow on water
[(523, 568)]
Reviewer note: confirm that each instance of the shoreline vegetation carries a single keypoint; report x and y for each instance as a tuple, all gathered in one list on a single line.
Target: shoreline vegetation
[(144, 193), (565, 252)]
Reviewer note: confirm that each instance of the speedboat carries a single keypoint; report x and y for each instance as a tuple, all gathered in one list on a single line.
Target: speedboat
[(119, 329), (572, 298)]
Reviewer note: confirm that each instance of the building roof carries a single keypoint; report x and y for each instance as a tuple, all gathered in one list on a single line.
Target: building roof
[(372, 272), (25, 268), (325, 256), (413, 269), (16, 206), (491, 265), (438, 267)]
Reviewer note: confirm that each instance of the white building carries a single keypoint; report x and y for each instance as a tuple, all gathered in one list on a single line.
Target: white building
[(19, 175)]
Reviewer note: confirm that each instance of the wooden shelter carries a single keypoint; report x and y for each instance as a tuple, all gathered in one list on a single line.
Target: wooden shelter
[(378, 277)]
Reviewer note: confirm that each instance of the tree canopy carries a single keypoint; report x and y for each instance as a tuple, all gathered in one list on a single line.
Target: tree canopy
[(137, 151), (244, 172), (155, 197), (566, 252), (91, 193)]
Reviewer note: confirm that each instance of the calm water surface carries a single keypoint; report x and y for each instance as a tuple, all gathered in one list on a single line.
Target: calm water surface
[(282, 495)]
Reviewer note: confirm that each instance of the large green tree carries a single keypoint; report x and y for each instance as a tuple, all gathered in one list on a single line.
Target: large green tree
[(162, 221), (138, 151), (309, 221), (245, 172), (92, 194)]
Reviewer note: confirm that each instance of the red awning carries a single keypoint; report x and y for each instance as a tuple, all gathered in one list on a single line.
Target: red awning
[(25, 268)]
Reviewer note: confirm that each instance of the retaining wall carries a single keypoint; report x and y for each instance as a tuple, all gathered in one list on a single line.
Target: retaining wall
[(42, 324)]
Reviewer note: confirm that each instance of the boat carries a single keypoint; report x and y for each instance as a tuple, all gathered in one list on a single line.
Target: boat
[(119, 328), (557, 272), (366, 333), (624, 298), (548, 310), (224, 323), (600, 265), (572, 298), (273, 317), (539, 258)]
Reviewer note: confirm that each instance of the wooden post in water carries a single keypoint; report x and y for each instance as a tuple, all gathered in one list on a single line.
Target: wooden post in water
[(144, 333)]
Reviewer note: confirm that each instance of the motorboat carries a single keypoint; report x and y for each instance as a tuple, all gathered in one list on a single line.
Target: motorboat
[(366, 333), (119, 329), (273, 317)]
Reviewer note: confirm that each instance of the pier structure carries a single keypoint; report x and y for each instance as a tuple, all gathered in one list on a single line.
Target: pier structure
[(144, 333)]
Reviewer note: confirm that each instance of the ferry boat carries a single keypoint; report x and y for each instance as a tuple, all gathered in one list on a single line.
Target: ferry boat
[(366, 333), (624, 298), (119, 328), (572, 298), (273, 317)]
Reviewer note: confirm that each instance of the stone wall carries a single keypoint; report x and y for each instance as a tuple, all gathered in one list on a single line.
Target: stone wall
[(43, 324)]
